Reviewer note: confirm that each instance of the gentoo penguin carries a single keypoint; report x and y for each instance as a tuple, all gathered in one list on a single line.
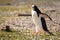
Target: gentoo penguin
[(38, 20)]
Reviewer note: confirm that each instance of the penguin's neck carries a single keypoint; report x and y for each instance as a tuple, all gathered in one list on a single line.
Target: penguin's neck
[(34, 14)]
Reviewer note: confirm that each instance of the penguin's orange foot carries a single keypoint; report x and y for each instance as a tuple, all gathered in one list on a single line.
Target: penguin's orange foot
[(35, 33)]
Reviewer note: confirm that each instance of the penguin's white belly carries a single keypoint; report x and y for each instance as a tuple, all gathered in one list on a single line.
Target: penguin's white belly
[(37, 21)]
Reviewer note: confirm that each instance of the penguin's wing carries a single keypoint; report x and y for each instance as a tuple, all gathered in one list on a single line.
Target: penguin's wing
[(45, 15)]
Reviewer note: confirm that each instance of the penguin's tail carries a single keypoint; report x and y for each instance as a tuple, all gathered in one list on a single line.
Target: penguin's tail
[(50, 33)]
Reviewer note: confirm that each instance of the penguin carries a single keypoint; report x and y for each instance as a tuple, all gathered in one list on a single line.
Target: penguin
[(38, 20), (35, 8)]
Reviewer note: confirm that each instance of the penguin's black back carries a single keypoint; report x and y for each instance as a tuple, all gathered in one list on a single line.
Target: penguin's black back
[(44, 24)]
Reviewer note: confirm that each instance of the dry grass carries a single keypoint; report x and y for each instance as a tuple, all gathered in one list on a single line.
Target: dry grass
[(15, 8), (6, 1), (25, 35)]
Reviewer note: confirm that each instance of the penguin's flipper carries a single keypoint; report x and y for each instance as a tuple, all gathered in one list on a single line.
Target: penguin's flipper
[(43, 14)]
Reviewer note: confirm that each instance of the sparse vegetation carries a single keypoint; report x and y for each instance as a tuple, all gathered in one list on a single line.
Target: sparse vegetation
[(25, 35), (25, 8), (15, 9)]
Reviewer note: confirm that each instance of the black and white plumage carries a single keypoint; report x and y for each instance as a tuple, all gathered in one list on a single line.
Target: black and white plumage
[(38, 20)]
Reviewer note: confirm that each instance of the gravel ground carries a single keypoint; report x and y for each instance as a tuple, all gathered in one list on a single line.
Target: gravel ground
[(25, 22)]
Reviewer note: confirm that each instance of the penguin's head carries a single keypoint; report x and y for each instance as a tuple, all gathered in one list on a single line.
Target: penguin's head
[(34, 7)]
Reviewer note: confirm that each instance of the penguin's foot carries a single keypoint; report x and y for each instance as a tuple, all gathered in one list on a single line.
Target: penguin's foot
[(38, 33), (35, 33)]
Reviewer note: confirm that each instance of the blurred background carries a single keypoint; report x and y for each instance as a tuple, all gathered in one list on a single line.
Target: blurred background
[(23, 26)]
